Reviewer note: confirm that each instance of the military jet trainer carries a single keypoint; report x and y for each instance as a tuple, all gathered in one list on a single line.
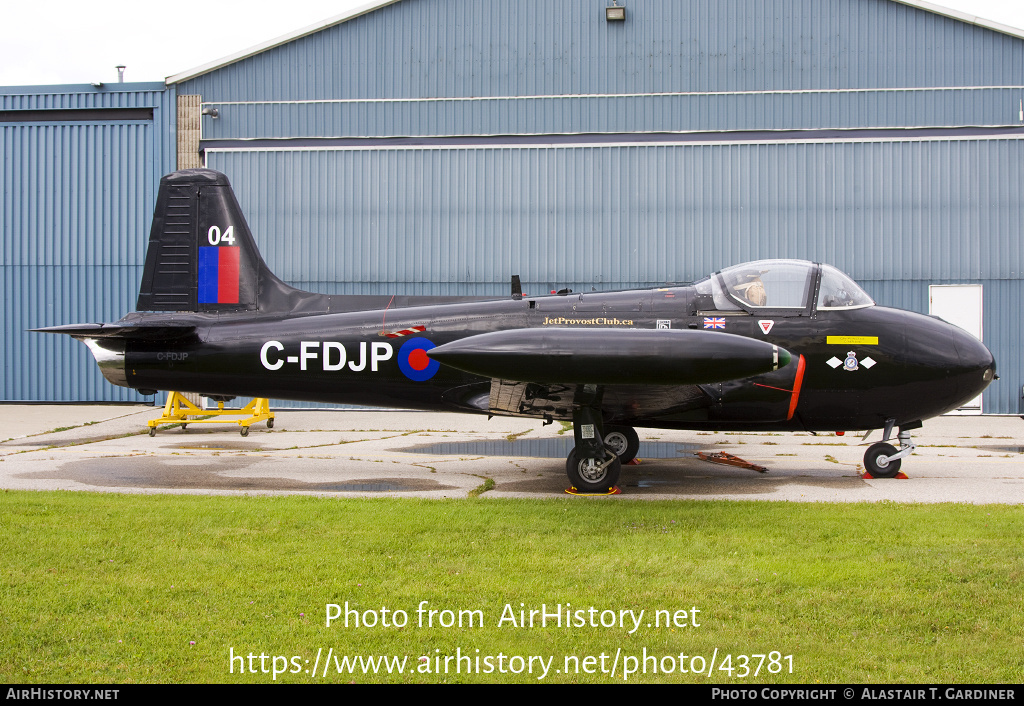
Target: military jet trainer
[(774, 345)]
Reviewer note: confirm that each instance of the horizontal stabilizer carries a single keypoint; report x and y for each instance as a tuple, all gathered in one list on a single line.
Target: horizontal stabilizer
[(160, 333), (612, 356)]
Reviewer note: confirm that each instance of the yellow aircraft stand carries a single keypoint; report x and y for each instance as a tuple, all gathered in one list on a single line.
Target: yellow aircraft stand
[(179, 410)]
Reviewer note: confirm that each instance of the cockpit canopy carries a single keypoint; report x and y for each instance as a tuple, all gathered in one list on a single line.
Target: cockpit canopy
[(783, 286)]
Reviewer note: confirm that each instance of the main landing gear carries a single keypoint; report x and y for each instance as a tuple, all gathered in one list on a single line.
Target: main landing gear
[(623, 441), (594, 464), (882, 460), (596, 473)]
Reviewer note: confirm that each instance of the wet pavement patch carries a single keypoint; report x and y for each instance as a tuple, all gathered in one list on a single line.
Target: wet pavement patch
[(159, 472), (542, 448), (367, 486), (220, 446), (1004, 449), (50, 441), (733, 483)]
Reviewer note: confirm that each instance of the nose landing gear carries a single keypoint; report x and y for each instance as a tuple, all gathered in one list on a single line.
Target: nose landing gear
[(882, 460)]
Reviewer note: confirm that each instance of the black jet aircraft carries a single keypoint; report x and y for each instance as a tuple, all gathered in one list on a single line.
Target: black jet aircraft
[(774, 345)]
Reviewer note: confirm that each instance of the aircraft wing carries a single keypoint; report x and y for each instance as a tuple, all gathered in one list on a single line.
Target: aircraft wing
[(161, 332)]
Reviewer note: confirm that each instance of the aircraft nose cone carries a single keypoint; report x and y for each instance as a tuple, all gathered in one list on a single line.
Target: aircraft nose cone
[(977, 365)]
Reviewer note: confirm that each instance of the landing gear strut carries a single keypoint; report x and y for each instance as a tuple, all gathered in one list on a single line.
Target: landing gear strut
[(882, 460), (591, 466)]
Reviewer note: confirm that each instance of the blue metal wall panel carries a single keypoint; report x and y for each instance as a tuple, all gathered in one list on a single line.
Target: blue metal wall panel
[(444, 220), (897, 215), (84, 206), (440, 48), (40, 367), (559, 67), (77, 204), (629, 113), (67, 97)]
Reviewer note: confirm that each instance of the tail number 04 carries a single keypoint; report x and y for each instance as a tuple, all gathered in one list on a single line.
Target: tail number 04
[(216, 237)]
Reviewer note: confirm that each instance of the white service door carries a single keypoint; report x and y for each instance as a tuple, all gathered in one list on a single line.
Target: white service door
[(960, 305)]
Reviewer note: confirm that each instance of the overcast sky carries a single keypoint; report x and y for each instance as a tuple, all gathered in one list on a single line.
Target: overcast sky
[(81, 41)]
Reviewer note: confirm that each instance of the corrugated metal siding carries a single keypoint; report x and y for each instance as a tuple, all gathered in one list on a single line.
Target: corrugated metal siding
[(439, 48), (85, 206), (78, 199), (896, 215), (437, 220), (708, 112), (124, 95), (34, 366)]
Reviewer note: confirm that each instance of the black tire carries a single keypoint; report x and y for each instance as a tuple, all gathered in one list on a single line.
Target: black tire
[(244, 431), (184, 427), (877, 463), (152, 431), (622, 441), (270, 423), (586, 481)]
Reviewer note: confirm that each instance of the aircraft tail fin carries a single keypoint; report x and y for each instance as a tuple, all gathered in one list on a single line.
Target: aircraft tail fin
[(202, 256)]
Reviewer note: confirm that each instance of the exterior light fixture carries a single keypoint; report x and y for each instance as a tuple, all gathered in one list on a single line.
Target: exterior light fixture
[(615, 13)]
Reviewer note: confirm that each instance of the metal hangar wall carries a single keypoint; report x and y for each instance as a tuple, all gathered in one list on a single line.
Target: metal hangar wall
[(430, 146), (81, 166)]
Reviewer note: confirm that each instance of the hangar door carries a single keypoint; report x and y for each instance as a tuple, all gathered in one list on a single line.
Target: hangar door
[(77, 201)]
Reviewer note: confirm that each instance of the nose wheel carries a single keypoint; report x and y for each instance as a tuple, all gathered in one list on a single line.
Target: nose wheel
[(879, 461), (882, 460)]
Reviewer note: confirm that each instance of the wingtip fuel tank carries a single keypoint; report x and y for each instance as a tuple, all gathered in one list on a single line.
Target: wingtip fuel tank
[(642, 356)]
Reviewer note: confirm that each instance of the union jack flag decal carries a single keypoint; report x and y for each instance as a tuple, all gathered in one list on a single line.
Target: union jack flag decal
[(714, 322)]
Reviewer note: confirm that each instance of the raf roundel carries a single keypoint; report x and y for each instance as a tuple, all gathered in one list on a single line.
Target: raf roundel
[(414, 362)]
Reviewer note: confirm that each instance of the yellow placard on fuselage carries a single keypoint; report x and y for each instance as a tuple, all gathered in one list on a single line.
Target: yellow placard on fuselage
[(852, 340)]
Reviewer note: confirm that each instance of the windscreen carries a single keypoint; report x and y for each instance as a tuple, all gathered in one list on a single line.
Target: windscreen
[(838, 291)]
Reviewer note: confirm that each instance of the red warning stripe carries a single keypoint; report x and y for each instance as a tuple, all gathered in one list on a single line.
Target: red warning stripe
[(796, 387), (405, 332)]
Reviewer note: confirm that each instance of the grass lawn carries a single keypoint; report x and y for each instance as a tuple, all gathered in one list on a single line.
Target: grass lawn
[(103, 588)]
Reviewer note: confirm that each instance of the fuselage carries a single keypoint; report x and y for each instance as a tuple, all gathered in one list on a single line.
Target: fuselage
[(851, 368)]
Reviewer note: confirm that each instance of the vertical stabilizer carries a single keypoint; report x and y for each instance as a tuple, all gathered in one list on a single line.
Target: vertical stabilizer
[(201, 254)]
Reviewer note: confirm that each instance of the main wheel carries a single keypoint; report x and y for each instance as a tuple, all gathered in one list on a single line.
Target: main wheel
[(587, 477), (877, 463), (622, 441)]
